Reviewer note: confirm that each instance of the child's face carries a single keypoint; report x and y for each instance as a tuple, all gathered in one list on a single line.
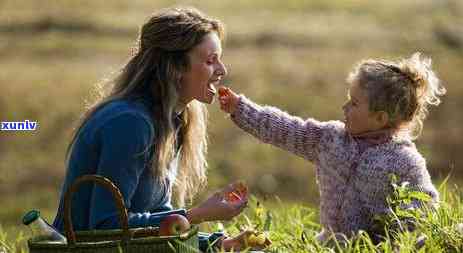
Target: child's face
[(357, 117)]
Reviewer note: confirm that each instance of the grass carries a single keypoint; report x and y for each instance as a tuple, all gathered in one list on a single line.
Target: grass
[(292, 228)]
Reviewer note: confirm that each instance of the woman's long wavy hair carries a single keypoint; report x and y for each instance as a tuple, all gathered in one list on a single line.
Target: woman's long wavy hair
[(155, 68)]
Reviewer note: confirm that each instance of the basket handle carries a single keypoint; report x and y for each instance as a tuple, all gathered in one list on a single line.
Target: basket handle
[(105, 182)]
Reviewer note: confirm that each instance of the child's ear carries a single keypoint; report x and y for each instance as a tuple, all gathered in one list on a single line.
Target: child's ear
[(382, 118)]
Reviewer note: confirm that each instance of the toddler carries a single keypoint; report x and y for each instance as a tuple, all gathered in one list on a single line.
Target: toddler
[(354, 158)]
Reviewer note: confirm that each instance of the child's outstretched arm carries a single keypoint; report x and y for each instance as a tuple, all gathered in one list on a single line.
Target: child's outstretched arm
[(271, 125)]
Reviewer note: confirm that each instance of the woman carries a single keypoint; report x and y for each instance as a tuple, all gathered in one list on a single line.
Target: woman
[(148, 134)]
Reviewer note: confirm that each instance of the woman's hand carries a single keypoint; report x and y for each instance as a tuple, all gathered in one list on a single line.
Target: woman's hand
[(216, 207), (228, 100), (245, 240)]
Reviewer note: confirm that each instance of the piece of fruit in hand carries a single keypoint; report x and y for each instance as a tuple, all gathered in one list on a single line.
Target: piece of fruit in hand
[(239, 192), (233, 196), (223, 91)]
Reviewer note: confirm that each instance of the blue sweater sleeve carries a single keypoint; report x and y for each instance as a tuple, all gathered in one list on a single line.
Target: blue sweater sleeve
[(123, 155)]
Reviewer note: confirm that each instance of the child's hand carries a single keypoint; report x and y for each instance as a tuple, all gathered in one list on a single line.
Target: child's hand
[(228, 100)]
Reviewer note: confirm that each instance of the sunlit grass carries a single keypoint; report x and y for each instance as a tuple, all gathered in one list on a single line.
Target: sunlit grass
[(292, 228)]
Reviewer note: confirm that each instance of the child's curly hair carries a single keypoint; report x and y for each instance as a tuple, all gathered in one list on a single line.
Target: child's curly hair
[(402, 89)]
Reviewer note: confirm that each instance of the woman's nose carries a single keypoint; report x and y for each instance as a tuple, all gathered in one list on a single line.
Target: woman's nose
[(221, 70), (345, 107)]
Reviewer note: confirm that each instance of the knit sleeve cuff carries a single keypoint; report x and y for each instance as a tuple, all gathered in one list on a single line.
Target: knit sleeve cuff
[(246, 114)]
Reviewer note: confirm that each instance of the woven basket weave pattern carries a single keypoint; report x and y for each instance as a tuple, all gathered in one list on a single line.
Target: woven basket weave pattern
[(125, 240)]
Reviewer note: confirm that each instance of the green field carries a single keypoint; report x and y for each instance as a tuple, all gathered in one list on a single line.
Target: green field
[(291, 54), (293, 227)]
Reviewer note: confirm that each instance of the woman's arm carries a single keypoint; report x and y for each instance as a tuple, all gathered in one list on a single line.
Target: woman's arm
[(124, 143), (273, 126)]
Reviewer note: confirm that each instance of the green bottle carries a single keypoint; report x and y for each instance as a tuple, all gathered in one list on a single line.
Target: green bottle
[(41, 230)]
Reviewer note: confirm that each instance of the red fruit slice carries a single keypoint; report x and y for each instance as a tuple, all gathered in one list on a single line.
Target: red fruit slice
[(239, 192), (223, 91), (233, 196)]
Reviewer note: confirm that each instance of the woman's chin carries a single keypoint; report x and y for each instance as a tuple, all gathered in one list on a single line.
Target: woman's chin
[(348, 130), (346, 127)]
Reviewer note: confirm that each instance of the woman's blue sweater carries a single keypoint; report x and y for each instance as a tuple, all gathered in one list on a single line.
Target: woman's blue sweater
[(117, 142)]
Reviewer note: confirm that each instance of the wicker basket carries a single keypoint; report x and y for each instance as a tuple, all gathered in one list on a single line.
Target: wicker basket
[(115, 240)]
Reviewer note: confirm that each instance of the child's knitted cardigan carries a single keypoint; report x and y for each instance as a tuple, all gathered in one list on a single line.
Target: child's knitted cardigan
[(353, 185)]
